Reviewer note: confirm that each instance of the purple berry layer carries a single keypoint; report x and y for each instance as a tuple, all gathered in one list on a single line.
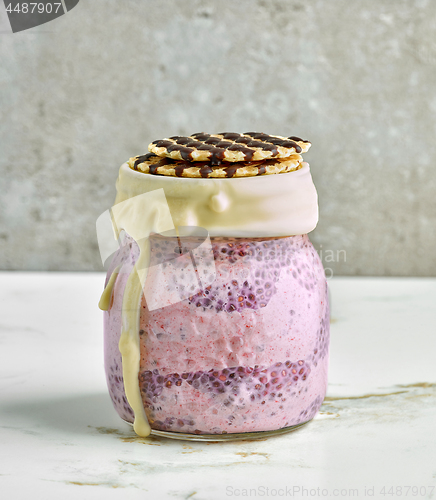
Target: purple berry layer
[(247, 353)]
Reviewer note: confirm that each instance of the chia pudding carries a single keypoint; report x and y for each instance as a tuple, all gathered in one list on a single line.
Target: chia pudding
[(246, 353)]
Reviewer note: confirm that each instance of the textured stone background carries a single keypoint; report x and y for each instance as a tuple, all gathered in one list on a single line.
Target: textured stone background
[(357, 78)]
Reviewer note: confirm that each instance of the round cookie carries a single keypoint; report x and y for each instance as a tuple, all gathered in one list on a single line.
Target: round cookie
[(228, 147), (156, 165)]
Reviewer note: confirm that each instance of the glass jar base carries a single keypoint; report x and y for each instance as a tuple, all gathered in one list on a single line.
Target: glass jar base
[(239, 436)]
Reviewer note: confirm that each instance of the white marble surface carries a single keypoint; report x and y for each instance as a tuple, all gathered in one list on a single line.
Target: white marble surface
[(61, 438)]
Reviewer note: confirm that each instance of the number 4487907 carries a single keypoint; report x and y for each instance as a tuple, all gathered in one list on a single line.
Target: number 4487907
[(34, 7)]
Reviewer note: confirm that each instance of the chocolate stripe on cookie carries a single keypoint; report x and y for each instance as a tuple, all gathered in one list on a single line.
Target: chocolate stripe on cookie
[(142, 159), (155, 165), (228, 147)]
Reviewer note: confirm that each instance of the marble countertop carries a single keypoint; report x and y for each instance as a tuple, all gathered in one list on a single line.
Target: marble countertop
[(61, 438)]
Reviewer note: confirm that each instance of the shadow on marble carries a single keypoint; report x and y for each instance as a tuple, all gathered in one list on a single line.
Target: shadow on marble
[(91, 415), (80, 414)]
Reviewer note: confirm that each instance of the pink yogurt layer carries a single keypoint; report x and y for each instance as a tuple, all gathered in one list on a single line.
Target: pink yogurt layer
[(248, 353)]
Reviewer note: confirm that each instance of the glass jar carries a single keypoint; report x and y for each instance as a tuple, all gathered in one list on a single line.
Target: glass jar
[(246, 356)]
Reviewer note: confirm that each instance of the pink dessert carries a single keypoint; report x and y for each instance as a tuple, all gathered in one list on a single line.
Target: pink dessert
[(247, 354), (223, 328)]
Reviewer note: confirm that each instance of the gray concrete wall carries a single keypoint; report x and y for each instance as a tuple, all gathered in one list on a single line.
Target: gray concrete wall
[(81, 94)]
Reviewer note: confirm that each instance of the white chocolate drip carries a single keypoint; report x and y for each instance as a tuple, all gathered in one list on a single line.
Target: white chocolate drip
[(138, 216), (106, 296), (130, 349)]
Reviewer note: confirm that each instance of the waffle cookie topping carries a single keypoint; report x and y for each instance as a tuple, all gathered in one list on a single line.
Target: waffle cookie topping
[(224, 155), (153, 164)]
